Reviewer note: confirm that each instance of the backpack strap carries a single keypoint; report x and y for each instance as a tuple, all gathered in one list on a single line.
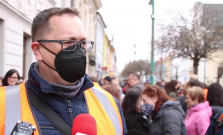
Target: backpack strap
[(50, 114), (219, 122)]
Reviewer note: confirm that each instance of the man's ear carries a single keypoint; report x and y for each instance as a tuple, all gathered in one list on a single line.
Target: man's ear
[(36, 47)]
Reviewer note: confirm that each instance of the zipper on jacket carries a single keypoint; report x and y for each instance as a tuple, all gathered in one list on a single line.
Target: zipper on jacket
[(70, 109)]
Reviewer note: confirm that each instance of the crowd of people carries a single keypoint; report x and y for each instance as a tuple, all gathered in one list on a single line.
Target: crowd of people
[(168, 107), (58, 90), (165, 108)]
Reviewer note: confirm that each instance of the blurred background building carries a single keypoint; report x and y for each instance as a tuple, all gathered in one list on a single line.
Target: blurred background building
[(15, 41)]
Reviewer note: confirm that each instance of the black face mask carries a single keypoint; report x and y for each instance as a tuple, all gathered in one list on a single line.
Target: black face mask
[(70, 65)]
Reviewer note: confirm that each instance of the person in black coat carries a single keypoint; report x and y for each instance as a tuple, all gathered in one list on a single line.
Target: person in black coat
[(135, 119)]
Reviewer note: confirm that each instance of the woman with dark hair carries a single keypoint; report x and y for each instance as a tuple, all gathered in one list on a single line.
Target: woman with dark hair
[(11, 78), (172, 88), (131, 106), (167, 115), (215, 97)]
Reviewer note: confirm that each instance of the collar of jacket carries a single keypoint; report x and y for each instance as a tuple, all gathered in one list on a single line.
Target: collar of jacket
[(169, 105)]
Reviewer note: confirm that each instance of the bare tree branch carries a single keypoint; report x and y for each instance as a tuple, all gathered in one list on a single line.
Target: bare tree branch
[(194, 39)]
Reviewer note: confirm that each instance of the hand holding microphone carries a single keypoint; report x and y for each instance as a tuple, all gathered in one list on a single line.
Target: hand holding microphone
[(84, 124)]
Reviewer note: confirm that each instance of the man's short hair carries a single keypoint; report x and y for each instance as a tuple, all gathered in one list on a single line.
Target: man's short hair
[(40, 24), (108, 78)]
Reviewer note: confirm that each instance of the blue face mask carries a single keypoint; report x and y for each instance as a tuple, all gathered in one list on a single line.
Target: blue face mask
[(147, 109)]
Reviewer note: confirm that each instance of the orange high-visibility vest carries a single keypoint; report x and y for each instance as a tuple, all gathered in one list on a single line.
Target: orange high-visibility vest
[(14, 106)]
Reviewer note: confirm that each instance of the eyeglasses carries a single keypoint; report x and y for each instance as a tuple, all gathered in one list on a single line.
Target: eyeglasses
[(87, 45)]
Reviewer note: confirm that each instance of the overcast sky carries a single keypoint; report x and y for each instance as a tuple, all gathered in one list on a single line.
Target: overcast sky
[(129, 22)]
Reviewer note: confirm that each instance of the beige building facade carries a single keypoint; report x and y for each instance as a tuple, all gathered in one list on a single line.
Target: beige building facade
[(208, 68), (88, 14), (15, 32)]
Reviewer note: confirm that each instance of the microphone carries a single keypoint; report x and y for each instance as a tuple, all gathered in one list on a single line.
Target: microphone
[(84, 124)]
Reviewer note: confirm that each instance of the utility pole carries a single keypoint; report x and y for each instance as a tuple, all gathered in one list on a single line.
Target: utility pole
[(152, 45)]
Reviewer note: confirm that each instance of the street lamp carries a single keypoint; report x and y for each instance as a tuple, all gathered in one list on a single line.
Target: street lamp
[(176, 63), (152, 45)]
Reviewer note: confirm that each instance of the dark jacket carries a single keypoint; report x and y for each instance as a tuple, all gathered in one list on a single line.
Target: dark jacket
[(216, 109), (213, 129), (136, 121), (169, 120), (183, 103), (67, 109)]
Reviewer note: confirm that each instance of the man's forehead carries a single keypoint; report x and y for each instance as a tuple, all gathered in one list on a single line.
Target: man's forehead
[(76, 30)]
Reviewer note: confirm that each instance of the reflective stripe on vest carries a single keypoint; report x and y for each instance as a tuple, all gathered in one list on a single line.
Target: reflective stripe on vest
[(103, 108), (14, 107)]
